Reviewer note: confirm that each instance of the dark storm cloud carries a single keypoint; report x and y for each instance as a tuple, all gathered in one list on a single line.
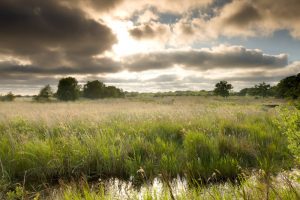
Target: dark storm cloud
[(51, 34), (103, 65), (223, 57), (27, 79)]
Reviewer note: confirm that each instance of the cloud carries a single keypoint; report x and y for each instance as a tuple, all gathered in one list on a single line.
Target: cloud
[(238, 18), (178, 6), (43, 40), (195, 80), (100, 65), (51, 35), (164, 78), (248, 77), (126, 8), (232, 63), (152, 31), (243, 15), (103, 5), (147, 16), (187, 31), (222, 57), (257, 17), (27, 80)]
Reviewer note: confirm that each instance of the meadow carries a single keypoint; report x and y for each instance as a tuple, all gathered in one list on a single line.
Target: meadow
[(220, 148)]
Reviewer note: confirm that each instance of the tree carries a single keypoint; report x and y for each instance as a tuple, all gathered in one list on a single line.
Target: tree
[(289, 87), (243, 92), (8, 97), (223, 88), (112, 91), (262, 89), (68, 89), (94, 90), (45, 94), (273, 91)]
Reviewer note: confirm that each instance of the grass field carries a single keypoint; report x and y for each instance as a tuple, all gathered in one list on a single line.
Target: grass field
[(61, 150)]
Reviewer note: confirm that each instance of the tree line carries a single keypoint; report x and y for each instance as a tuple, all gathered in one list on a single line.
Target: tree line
[(68, 89), (288, 87)]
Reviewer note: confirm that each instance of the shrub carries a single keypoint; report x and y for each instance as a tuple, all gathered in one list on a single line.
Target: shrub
[(94, 89), (289, 124), (8, 97), (45, 94)]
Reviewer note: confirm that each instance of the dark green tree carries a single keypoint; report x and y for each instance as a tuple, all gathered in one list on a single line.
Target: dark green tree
[(222, 89), (272, 91), (94, 90), (68, 89), (112, 91), (289, 87), (243, 92), (45, 94), (262, 89)]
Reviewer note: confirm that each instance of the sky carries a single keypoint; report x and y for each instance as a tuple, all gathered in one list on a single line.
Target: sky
[(148, 45)]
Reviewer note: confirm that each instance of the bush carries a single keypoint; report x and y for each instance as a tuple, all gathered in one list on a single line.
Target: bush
[(8, 97), (289, 124), (93, 89), (112, 91), (45, 94), (96, 90)]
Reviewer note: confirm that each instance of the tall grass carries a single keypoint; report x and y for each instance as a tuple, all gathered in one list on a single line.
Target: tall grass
[(122, 144), (204, 141)]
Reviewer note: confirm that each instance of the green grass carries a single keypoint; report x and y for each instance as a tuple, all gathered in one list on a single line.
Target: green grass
[(204, 142)]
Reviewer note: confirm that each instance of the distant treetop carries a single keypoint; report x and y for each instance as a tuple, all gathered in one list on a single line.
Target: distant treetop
[(68, 89), (222, 89)]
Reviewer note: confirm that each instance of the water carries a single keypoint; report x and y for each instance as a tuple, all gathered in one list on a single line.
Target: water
[(126, 190)]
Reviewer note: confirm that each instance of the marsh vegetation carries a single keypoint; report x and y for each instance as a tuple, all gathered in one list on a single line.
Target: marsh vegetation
[(72, 150)]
